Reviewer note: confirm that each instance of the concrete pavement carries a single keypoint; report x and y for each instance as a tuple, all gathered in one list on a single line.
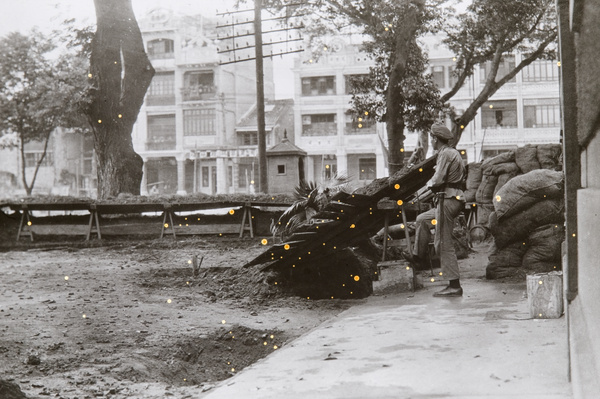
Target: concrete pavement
[(412, 345)]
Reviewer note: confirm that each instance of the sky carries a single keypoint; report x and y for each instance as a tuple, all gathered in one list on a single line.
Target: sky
[(47, 15)]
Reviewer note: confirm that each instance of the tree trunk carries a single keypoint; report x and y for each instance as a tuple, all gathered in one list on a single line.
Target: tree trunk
[(395, 124), (29, 187), (121, 73)]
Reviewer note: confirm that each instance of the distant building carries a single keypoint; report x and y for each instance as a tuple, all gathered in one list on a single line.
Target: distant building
[(186, 129), (68, 168), (526, 110), (336, 140)]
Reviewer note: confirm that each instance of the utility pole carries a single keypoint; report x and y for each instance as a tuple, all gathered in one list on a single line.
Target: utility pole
[(258, 57), (260, 99)]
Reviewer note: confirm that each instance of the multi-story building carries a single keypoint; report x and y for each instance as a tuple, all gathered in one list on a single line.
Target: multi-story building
[(185, 130), (524, 111), (335, 139)]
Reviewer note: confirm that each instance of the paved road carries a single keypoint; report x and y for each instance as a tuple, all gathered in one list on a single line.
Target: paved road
[(412, 345)]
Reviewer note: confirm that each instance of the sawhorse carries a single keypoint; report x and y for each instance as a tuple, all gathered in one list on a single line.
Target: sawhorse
[(247, 219), (167, 213), (94, 220), (25, 224)]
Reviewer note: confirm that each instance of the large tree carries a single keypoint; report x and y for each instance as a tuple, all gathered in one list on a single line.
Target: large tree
[(38, 93), (398, 87), (120, 74), (397, 91), (490, 30)]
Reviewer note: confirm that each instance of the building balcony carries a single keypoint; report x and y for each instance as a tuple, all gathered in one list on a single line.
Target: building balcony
[(160, 144), (320, 129), (352, 129), (519, 136), (198, 93), (160, 100)]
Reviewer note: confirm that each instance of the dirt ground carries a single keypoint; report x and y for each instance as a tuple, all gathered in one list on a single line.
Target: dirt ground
[(127, 319)]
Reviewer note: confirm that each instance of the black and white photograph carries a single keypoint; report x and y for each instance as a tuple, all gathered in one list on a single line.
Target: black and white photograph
[(300, 199)]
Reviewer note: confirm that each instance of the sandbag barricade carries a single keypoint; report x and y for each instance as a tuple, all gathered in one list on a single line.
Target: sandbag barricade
[(519, 226), (521, 192), (550, 156), (544, 248), (504, 262), (474, 175), (526, 158), (485, 192)]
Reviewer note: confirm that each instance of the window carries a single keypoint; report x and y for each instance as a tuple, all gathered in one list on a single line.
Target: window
[(281, 169), (540, 71), (367, 168), (161, 48), (161, 132), (329, 168), (205, 177), (199, 122), (318, 86), (162, 89), (438, 76), (32, 159), (319, 125), (506, 65), (352, 80), (198, 86), (248, 138), (541, 113), (499, 114), (245, 173)]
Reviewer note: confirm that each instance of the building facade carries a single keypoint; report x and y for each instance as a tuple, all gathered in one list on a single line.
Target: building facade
[(337, 141), (524, 111), (185, 130)]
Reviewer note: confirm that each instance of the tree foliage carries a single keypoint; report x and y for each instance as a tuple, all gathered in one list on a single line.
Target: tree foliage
[(488, 31), (399, 90), (38, 92)]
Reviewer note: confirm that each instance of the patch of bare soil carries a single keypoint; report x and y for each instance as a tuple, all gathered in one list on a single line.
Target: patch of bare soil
[(128, 319)]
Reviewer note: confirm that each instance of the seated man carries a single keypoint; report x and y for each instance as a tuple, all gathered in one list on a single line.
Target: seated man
[(447, 184)]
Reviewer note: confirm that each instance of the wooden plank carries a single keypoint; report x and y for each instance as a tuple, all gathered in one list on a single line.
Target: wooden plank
[(60, 229), (133, 229)]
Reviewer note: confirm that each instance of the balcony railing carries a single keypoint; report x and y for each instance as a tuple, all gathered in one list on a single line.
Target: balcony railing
[(320, 129), (352, 129), (160, 100), (160, 144), (197, 93), (161, 56)]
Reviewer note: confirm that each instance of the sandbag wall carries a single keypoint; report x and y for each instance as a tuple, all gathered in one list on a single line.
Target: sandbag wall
[(525, 209)]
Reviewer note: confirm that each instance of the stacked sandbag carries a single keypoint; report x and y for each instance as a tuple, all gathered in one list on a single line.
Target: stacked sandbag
[(483, 213), (505, 262), (544, 246), (485, 192), (526, 158), (525, 190), (496, 172), (550, 156), (528, 213), (505, 157), (518, 226), (474, 175)]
